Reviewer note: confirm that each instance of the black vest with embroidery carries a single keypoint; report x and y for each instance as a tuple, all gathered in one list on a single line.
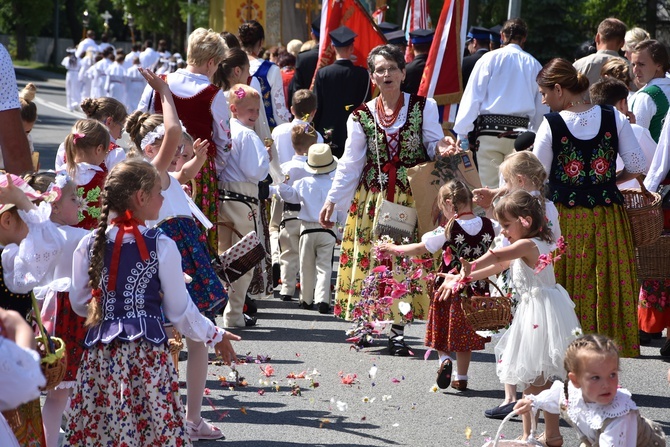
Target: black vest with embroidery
[(410, 149), (583, 172), (20, 302)]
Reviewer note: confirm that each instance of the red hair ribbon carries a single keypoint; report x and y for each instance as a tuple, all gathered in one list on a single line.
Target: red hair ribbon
[(126, 223), (77, 136)]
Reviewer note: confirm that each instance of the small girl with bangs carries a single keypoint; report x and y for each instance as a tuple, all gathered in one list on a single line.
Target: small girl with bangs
[(85, 153), (464, 236), (248, 163), (128, 389), (591, 401), (531, 352), (57, 314)]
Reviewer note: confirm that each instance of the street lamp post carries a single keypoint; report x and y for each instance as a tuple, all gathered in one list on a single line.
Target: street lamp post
[(131, 25), (84, 20)]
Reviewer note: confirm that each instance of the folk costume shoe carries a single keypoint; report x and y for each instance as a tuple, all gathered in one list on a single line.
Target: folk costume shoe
[(459, 385), (444, 374), (398, 347)]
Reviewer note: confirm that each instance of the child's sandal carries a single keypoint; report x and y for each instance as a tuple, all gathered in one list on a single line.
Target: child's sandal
[(555, 441)]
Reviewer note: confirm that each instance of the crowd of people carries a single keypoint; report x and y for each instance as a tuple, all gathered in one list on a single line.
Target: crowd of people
[(114, 245)]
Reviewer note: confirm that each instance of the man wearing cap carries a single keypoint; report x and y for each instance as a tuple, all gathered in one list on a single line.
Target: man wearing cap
[(340, 88), (610, 38), (502, 97), (495, 37), (305, 64), (421, 40), (394, 35), (477, 43)]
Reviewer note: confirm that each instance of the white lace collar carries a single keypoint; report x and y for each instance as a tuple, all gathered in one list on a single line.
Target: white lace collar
[(595, 414)]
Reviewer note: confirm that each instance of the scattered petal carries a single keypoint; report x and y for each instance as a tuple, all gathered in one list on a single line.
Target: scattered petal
[(243, 410), (373, 372), (394, 380), (261, 392), (323, 422), (468, 433), (426, 356), (267, 370), (366, 399), (386, 397), (434, 389), (396, 425), (342, 406), (207, 391), (404, 307)]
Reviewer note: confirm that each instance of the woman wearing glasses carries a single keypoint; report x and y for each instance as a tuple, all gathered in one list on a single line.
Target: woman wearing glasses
[(391, 133)]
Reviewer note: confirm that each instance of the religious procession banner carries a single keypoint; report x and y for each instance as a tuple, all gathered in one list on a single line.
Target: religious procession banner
[(230, 14)]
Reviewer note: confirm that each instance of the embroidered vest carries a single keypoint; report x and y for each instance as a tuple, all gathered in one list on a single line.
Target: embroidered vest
[(583, 172), (90, 196), (662, 107), (133, 310), (20, 302), (410, 150), (195, 112), (266, 91)]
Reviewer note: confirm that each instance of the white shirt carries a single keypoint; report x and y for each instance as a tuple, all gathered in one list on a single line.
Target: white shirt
[(295, 169), (435, 240), (175, 203), (643, 106), (586, 125), (185, 84), (26, 265), (248, 160), (279, 110), (282, 138), (84, 45), (114, 157), (176, 304), (130, 57), (9, 97), (310, 192), (648, 146), (149, 57), (350, 166), (115, 74), (589, 417), (71, 64), (502, 83), (660, 164)]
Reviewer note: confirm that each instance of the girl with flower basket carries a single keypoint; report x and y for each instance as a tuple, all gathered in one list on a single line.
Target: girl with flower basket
[(578, 144), (464, 236)]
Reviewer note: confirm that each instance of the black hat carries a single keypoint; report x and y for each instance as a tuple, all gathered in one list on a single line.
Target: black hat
[(396, 37), (342, 36), (316, 26), (479, 33), (495, 33), (419, 36), (387, 27)]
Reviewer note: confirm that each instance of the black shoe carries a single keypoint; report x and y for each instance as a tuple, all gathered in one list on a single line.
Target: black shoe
[(665, 350), (324, 308), (645, 338), (398, 347), (444, 374), (276, 274), (500, 412), (286, 297), (249, 320), (251, 307), (306, 306)]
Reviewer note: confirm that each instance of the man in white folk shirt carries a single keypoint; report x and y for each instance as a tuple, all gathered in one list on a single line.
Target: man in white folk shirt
[(501, 95)]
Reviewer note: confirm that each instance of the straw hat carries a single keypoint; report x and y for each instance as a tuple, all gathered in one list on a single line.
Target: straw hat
[(320, 159), (22, 185)]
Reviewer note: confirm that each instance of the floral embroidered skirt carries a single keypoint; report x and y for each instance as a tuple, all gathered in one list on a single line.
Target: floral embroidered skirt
[(654, 306), (26, 423), (447, 329), (598, 271), (356, 260), (127, 394), (207, 199), (206, 289), (70, 328)]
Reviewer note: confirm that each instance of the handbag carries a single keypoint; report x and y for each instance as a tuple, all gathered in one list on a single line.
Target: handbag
[(392, 219), (243, 256)]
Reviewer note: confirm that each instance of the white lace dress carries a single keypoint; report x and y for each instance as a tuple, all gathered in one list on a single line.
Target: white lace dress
[(544, 325)]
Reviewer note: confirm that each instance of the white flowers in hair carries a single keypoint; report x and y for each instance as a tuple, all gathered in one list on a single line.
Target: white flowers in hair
[(156, 134), (55, 189)]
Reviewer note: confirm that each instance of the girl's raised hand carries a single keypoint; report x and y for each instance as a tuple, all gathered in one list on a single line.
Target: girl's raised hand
[(225, 349), (11, 194), (200, 149), (389, 248), (483, 197), (156, 82)]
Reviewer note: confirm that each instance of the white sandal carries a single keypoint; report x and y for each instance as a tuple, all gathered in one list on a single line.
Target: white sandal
[(203, 431)]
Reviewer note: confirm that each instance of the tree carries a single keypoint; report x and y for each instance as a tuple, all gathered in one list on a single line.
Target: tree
[(24, 18)]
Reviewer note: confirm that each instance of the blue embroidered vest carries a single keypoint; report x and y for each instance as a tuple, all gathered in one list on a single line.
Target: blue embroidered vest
[(583, 172), (133, 310), (266, 91)]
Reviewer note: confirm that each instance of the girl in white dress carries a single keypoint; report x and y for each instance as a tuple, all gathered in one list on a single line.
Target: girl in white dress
[(592, 402), (531, 352)]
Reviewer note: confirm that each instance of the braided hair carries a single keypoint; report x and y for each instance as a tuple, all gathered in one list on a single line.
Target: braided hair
[(460, 196), (594, 343), (123, 181)]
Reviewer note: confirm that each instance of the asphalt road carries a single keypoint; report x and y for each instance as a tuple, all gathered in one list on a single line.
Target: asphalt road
[(395, 406)]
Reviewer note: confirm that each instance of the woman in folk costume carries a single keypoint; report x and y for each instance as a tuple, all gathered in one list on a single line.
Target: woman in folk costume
[(203, 109), (394, 132)]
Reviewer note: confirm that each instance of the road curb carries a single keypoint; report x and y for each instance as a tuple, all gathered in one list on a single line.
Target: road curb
[(37, 75)]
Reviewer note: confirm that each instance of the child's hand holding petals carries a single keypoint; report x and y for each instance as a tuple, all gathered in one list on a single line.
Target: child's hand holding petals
[(523, 406)]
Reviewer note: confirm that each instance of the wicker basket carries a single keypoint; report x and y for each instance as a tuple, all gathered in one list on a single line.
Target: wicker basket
[(498, 442), (653, 261), (644, 213), (52, 352), (488, 313)]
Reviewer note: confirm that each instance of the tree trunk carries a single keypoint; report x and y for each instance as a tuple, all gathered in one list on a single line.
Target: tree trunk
[(651, 18), (73, 20), (22, 52)]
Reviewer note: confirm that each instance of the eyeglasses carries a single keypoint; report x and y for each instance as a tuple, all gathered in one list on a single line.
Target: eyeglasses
[(384, 71)]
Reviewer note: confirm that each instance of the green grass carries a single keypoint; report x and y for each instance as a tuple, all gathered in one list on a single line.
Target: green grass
[(40, 66)]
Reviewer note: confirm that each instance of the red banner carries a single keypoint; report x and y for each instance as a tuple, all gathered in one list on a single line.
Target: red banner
[(442, 76), (416, 17), (351, 13)]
